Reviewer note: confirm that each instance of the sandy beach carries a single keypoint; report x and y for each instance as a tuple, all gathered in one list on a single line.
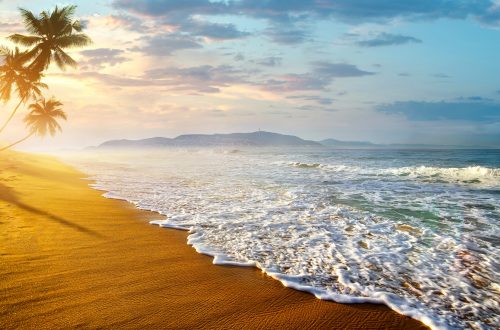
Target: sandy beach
[(71, 258)]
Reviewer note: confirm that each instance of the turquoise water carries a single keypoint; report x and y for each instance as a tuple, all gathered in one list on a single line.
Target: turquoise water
[(417, 230)]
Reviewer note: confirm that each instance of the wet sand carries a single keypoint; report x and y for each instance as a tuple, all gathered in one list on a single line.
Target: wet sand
[(71, 258)]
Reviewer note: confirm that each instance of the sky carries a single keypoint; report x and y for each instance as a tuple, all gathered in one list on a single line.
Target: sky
[(385, 71)]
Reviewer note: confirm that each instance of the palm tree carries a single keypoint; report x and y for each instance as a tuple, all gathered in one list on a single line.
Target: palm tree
[(42, 119), (51, 33), (13, 72)]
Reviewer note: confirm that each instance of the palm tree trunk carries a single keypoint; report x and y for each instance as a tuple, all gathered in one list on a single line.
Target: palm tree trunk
[(11, 115), (17, 142)]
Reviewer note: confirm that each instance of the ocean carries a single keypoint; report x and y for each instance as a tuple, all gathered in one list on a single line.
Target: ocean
[(417, 230)]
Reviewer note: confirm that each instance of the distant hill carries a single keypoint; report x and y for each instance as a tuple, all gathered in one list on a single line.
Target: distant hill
[(257, 139), (263, 139)]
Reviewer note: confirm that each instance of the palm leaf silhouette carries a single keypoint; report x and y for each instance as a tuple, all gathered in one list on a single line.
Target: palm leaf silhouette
[(52, 32), (15, 74), (42, 119)]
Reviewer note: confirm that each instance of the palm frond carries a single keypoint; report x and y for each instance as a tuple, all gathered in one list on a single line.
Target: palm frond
[(35, 91), (59, 61), (53, 103), (61, 20), (34, 52), (4, 51), (47, 24), (41, 85), (35, 107), (42, 117), (59, 114), (77, 26), (24, 40), (5, 92), (41, 129), (32, 75), (74, 40), (31, 23), (64, 59), (29, 89), (42, 60), (52, 126), (69, 11), (52, 32), (65, 29)]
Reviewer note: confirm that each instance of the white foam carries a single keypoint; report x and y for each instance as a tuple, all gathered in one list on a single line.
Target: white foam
[(165, 224), (463, 175), (470, 174)]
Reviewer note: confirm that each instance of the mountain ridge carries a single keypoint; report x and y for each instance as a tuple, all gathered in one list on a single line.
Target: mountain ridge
[(264, 139), (257, 139)]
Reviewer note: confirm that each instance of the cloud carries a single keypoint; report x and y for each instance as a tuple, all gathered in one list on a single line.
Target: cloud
[(205, 73), (492, 16), (478, 111), (204, 78), (475, 99), (338, 70), (166, 44), (214, 31), (287, 36), (172, 8), (440, 75), (9, 28), (129, 22), (318, 79), (359, 10), (239, 57), (296, 82), (351, 11), (387, 39), (112, 80), (193, 85), (289, 21), (270, 61), (210, 79), (315, 98), (179, 14), (101, 57)]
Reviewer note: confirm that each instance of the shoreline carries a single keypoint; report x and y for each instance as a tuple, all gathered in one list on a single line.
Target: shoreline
[(71, 257)]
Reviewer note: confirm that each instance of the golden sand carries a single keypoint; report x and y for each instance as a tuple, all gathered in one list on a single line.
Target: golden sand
[(71, 258)]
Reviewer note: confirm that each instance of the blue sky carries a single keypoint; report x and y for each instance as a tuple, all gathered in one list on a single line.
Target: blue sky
[(386, 71)]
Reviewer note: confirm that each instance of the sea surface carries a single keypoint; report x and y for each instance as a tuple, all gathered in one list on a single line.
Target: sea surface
[(417, 230)]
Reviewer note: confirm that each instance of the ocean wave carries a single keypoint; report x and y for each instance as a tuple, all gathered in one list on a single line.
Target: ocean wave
[(461, 175), (305, 165), (470, 174)]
